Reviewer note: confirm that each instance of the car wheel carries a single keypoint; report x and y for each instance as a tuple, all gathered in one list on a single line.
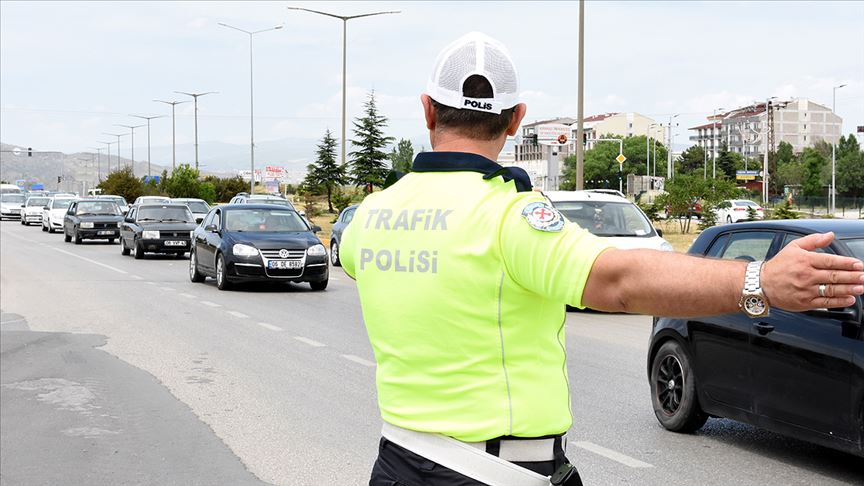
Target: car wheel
[(51, 228), (139, 251), (334, 254), (729, 219), (319, 285), (221, 279), (180, 255), (22, 222), (110, 241), (77, 238), (673, 390), (44, 228), (194, 274), (123, 250), (66, 237)]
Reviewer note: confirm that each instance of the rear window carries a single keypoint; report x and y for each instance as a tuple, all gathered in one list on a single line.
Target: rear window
[(12, 198), (107, 208), (37, 201), (168, 214), (61, 203)]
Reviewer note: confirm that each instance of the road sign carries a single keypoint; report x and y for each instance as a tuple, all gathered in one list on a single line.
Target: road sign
[(551, 131), (620, 158), (562, 139), (746, 175)]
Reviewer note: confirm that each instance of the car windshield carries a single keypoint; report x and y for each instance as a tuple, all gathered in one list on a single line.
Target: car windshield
[(270, 200), (119, 200), (97, 207), (857, 247), (37, 201), (264, 220), (606, 218), (178, 214), (61, 203), (12, 198), (197, 206)]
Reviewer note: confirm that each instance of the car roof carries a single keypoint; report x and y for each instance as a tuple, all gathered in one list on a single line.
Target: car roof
[(155, 205), (189, 199), (843, 228), (582, 196), (239, 207)]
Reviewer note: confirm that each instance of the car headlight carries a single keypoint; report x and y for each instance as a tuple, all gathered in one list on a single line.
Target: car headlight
[(87, 224), (150, 235), (665, 246), (244, 250), (316, 250)]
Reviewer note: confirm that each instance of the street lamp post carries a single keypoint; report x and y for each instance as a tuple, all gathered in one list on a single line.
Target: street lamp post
[(109, 144), (118, 135), (714, 139), (833, 151), (173, 131), (195, 98), (344, 19), (669, 166), (132, 141), (98, 162), (148, 118), (251, 103)]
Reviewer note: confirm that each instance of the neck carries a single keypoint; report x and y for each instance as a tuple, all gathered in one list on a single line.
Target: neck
[(486, 148)]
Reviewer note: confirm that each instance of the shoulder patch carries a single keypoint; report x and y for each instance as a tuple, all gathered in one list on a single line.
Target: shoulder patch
[(543, 217)]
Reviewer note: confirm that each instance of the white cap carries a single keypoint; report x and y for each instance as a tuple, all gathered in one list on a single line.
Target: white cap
[(474, 54)]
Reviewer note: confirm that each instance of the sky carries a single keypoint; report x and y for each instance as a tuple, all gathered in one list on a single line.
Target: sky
[(70, 71)]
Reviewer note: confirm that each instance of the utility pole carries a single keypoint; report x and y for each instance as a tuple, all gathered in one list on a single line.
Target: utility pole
[(669, 167), (118, 135), (109, 155), (834, 151), (98, 162), (132, 141), (148, 118), (195, 98), (580, 102), (714, 137), (173, 131)]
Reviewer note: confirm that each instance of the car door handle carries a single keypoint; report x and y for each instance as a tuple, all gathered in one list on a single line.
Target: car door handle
[(763, 328)]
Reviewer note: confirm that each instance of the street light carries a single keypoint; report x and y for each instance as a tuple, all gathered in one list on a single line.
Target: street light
[(195, 97), (173, 131), (98, 161), (834, 150), (344, 19), (148, 118), (669, 166), (109, 144), (648, 149), (251, 104), (132, 141), (714, 139), (118, 135)]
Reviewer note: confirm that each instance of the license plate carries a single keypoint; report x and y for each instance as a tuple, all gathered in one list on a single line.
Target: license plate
[(175, 243), (106, 233), (284, 264)]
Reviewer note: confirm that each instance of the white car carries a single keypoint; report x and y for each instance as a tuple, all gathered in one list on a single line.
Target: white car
[(734, 210), (11, 205), (32, 212), (120, 200), (199, 207), (54, 212), (611, 217), (151, 200)]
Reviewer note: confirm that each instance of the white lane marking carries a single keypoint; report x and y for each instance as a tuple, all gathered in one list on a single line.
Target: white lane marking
[(238, 315), (358, 360), (610, 454), (310, 342), (136, 277), (188, 296), (269, 326), (150, 283), (211, 304), (94, 262), (167, 289)]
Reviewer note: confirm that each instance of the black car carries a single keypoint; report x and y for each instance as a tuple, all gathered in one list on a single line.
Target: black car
[(796, 373), (157, 228), (257, 242), (92, 219), (339, 226)]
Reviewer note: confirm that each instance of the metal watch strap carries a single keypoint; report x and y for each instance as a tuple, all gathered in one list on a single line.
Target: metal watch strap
[(752, 280)]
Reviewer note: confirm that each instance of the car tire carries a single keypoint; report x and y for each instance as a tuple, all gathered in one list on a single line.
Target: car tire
[(728, 219), (66, 237), (110, 241), (673, 389), (123, 250), (180, 255), (51, 228), (22, 222), (44, 228), (318, 286), (194, 274), (139, 251), (222, 282), (334, 254), (77, 238)]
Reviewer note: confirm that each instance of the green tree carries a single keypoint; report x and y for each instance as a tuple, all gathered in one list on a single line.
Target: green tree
[(691, 160), (368, 164), (207, 192), (785, 154), (123, 182), (791, 173), (326, 173), (850, 167), (184, 182), (402, 156), (683, 190), (784, 211), (726, 162), (814, 164), (600, 163)]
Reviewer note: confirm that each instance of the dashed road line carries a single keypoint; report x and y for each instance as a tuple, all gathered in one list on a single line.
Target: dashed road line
[(610, 454), (94, 262), (188, 296), (359, 360), (238, 315), (310, 342), (150, 283), (269, 326), (167, 289), (138, 277), (211, 304)]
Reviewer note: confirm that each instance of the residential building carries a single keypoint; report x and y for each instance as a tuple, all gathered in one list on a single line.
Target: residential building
[(799, 122)]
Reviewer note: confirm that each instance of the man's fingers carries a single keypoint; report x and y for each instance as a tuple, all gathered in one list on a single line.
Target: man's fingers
[(835, 262), (838, 277), (816, 240), (843, 290), (832, 302)]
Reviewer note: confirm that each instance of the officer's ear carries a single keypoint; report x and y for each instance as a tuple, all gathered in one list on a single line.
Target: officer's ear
[(516, 120), (429, 112)]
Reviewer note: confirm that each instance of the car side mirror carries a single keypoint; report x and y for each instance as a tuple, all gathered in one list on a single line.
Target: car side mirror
[(129, 220), (46, 207), (659, 232), (316, 228), (211, 228)]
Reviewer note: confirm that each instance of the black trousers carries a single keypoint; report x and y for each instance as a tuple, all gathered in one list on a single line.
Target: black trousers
[(397, 466)]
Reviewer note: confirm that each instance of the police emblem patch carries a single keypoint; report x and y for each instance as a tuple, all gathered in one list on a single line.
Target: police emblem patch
[(543, 217)]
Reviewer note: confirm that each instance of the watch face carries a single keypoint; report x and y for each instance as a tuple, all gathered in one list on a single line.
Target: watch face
[(754, 305)]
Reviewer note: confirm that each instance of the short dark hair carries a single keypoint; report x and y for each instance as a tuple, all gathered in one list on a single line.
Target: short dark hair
[(472, 123)]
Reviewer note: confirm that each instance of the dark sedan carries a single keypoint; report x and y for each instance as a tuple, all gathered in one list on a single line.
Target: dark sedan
[(798, 374), (157, 228), (257, 242), (339, 226), (92, 219)]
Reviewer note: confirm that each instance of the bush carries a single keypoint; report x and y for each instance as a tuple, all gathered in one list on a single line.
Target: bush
[(784, 211), (123, 182), (183, 182), (207, 192), (227, 188)]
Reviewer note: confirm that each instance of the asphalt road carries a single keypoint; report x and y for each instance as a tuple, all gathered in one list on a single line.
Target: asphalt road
[(284, 378)]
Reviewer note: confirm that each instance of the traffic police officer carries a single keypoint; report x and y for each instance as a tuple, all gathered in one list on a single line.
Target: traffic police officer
[(464, 273)]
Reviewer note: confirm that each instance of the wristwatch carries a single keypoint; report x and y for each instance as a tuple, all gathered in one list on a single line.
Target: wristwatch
[(753, 301)]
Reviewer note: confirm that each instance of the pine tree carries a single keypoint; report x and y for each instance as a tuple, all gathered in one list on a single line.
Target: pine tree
[(368, 160), (325, 173)]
